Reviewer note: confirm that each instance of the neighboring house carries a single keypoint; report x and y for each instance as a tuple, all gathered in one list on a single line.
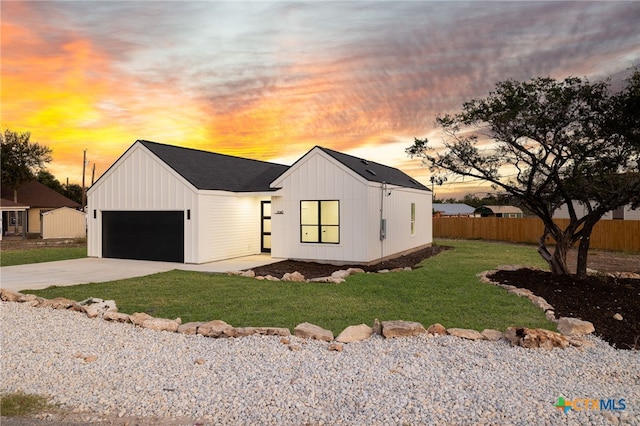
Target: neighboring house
[(621, 213), (40, 199), (163, 202), (13, 216), (499, 211), (452, 209)]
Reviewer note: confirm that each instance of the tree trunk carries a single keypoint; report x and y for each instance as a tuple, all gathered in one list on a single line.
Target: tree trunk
[(15, 195), (583, 252), (558, 260)]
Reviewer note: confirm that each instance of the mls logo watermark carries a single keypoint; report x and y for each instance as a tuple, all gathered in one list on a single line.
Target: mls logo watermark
[(582, 404)]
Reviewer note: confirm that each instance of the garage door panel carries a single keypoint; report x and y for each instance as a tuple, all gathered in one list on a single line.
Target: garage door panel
[(144, 235)]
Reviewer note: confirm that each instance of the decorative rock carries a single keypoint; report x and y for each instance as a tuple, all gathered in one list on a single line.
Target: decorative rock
[(91, 358), (32, 300), (400, 328), (10, 296), (116, 316), (311, 331), (342, 274), (249, 274), (355, 333), (535, 338), (269, 331), (377, 327), (492, 335), (199, 361), (574, 327), (541, 303), (383, 271), (216, 328), (438, 329), (465, 333), (295, 347), (60, 303), (95, 307), (190, 328), (337, 347), (270, 278), (397, 270), (353, 271), (160, 324), (139, 317), (331, 280), (618, 317), (285, 340), (580, 342), (296, 277)]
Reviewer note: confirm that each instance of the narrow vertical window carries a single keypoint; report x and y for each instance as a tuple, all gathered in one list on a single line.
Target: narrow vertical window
[(320, 221), (413, 218)]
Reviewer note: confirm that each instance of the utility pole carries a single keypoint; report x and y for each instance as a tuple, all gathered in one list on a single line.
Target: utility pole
[(84, 165)]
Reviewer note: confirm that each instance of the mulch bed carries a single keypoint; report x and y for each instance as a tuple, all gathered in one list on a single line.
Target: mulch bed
[(596, 299), (316, 270)]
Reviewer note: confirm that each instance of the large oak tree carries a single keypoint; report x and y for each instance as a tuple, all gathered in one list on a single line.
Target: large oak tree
[(549, 143)]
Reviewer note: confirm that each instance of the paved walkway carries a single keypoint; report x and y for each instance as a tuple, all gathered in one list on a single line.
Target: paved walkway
[(81, 271)]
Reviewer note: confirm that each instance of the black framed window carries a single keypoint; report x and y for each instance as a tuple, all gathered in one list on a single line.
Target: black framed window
[(320, 221)]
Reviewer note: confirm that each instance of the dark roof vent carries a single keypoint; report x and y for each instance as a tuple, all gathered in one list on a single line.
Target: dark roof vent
[(371, 171), (364, 161)]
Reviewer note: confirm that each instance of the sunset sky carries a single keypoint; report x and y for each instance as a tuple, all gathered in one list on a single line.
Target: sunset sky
[(270, 80)]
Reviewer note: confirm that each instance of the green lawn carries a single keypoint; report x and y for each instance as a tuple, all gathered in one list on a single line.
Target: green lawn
[(38, 255), (445, 290)]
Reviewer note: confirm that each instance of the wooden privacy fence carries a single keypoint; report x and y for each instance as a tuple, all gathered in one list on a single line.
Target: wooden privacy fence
[(623, 235)]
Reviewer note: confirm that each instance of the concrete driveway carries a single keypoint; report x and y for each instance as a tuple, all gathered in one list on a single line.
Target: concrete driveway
[(81, 271)]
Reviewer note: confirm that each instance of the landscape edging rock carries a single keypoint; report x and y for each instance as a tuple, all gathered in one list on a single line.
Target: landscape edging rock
[(218, 328), (572, 328)]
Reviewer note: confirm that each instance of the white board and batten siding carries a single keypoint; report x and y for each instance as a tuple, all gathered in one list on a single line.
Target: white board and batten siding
[(64, 222), (229, 225), (139, 181), (320, 177)]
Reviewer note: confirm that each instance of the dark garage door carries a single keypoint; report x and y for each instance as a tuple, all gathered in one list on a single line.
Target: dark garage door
[(144, 235)]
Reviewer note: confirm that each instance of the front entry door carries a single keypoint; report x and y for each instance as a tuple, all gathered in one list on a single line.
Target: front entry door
[(265, 226)]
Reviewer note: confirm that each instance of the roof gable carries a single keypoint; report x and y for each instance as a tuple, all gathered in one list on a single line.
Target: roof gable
[(35, 194), (211, 171), (374, 172)]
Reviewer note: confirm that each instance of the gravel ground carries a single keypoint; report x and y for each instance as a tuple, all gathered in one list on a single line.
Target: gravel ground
[(142, 374)]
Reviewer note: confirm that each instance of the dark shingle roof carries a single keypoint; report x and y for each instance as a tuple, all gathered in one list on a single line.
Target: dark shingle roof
[(35, 194), (375, 172), (208, 170)]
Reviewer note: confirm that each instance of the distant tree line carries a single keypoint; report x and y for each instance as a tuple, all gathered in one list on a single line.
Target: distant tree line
[(24, 161)]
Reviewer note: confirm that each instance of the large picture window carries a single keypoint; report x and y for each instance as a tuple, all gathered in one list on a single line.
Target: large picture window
[(320, 221)]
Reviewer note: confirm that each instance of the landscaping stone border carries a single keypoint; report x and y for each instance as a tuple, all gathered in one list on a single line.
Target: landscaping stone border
[(570, 330)]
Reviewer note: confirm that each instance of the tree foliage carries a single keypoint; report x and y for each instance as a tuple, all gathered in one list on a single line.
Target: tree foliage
[(21, 159), (549, 143)]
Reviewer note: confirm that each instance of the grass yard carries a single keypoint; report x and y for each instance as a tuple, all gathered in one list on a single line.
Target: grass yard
[(443, 290), (38, 255)]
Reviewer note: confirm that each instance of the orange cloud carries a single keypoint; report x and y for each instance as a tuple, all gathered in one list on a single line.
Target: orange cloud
[(71, 98)]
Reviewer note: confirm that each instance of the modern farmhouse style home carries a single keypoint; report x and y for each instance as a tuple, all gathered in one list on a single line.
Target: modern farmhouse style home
[(163, 202)]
